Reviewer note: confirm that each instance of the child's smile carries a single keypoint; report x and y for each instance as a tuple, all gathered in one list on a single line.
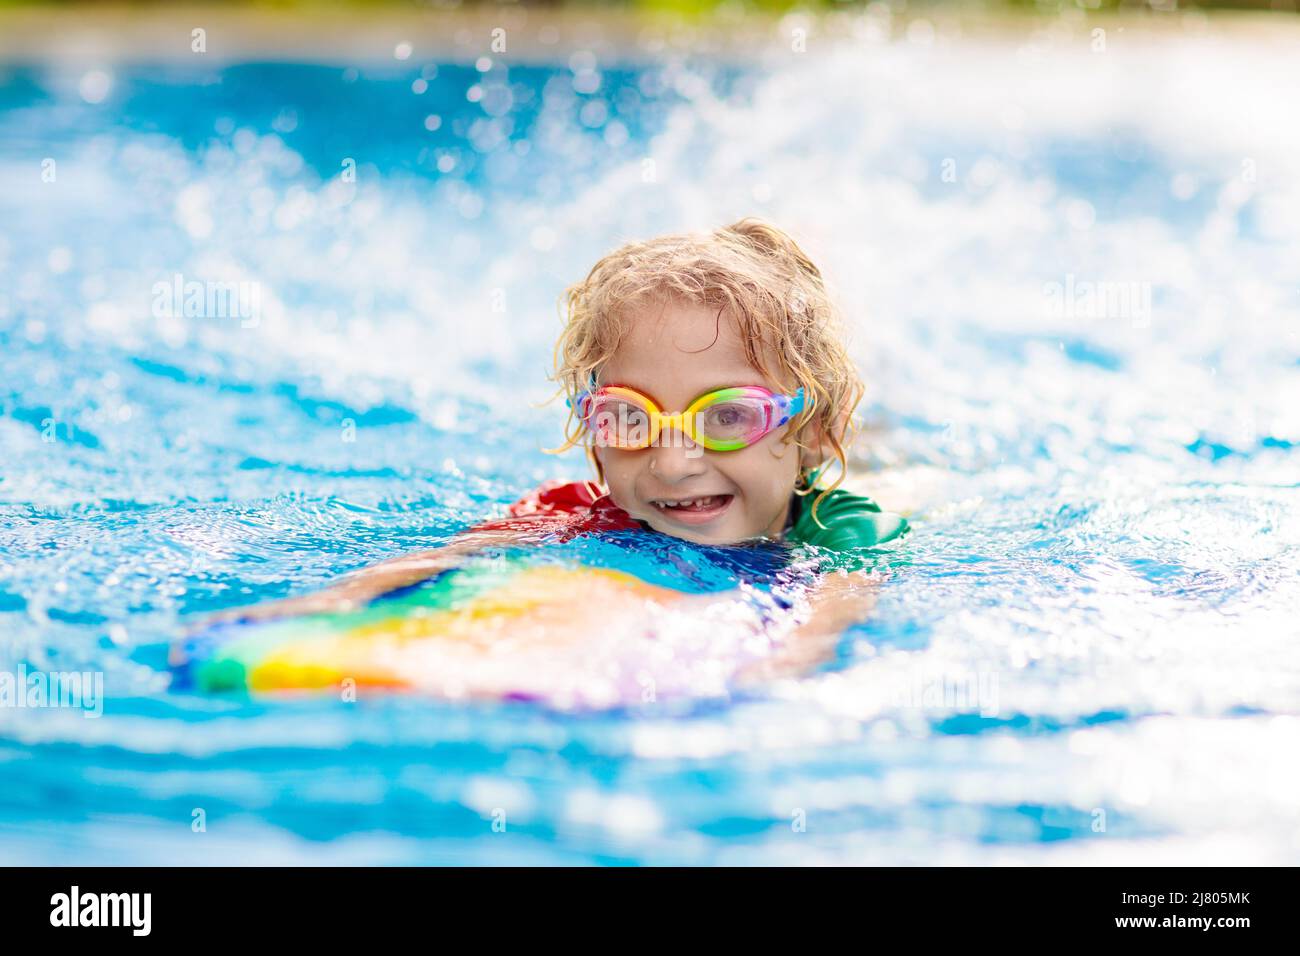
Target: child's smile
[(698, 510)]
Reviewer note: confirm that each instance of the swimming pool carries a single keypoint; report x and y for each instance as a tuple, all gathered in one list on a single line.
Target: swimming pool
[(1072, 282)]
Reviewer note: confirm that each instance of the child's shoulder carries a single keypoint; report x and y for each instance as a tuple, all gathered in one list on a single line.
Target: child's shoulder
[(565, 509), (844, 520), (557, 495)]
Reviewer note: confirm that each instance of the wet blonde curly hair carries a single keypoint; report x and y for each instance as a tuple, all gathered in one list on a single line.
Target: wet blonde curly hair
[(756, 274)]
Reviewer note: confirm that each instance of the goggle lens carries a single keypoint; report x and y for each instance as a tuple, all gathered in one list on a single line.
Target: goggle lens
[(617, 421), (730, 423)]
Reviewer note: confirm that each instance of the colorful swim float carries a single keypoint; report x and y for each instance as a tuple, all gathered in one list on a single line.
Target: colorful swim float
[(564, 624)]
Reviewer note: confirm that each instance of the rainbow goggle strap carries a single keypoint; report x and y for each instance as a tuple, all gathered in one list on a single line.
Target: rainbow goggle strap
[(726, 419)]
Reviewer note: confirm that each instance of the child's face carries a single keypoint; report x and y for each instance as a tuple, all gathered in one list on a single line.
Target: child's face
[(674, 353)]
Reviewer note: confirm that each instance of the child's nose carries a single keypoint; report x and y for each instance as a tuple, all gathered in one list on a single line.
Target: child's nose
[(675, 457)]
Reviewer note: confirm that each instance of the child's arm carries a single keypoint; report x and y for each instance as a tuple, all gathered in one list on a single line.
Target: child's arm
[(555, 509), (841, 600), (366, 584)]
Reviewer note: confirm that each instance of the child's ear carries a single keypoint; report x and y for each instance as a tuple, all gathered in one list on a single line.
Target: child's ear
[(818, 447)]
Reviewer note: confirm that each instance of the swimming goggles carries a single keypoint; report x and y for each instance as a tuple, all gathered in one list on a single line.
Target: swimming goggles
[(726, 419)]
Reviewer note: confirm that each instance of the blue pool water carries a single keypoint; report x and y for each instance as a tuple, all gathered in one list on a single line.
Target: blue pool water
[(1075, 300)]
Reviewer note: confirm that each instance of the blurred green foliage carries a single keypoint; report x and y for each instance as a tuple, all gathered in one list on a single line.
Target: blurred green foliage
[(700, 8)]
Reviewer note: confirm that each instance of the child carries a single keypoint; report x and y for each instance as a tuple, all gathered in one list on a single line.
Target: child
[(707, 378)]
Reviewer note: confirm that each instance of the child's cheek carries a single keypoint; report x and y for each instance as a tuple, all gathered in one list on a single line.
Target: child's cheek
[(769, 468), (620, 475)]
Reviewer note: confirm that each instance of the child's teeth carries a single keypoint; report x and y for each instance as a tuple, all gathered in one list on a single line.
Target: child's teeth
[(686, 502)]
